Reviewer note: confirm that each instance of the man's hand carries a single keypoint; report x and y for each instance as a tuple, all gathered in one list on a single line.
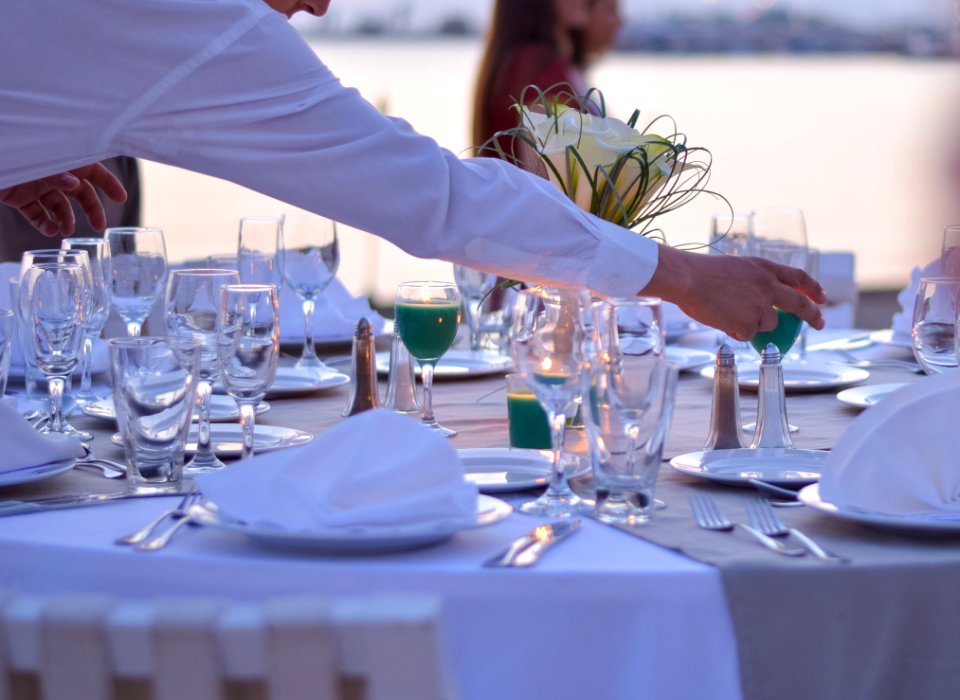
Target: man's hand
[(45, 203), (734, 294)]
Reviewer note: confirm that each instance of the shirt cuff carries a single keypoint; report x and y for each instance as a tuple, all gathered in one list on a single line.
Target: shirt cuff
[(624, 262)]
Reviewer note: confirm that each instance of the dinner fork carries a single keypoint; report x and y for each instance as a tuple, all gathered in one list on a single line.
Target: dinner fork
[(766, 520), (176, 513), (709, 517)]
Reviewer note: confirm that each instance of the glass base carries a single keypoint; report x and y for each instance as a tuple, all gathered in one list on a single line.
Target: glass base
[(70, 431), (202, 464), (313, 364), (751, 428), (438, 429), (558, 505)]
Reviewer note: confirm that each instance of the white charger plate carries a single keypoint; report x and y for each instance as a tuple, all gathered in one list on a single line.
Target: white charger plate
[(505, 469), (865, 396), (775, 465), (687, 358), (805, 377), (933, 524), (222, 409), (37, 473), (458, 363), (368, 539), (886, 336), (227, 439), (291, 381)]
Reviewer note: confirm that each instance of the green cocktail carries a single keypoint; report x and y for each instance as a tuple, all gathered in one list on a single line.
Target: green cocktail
[(427, 329), (783, 336), (528, 422)]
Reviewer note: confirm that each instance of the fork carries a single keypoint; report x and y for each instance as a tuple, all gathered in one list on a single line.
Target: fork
[(766, 520), (177, 513), (709, 517)]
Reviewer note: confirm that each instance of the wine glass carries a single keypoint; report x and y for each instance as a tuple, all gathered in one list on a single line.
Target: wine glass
[(548, 345), (730, 234), (934, 333), (427, 315), (257, 249), (783, 224), (99, 253), (474, 286), (138, 266), (191, 304), (308, 254), (248, 329), (950, 252), (53, 299)]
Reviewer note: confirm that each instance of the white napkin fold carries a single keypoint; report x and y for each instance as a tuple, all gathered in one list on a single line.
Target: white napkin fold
[(375, 468), (901, 456), (334, 318), (24, 447), (902, 321)]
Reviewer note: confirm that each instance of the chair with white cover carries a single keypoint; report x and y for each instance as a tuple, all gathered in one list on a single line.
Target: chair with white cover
[(70, 647)]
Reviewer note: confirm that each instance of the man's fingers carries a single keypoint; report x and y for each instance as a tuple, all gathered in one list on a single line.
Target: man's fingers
[(91, 205), (59, 211), (40, 218), (800, 280), (99, 176)]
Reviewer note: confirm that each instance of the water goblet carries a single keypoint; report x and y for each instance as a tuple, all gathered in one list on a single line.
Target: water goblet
[(427, 316), (53, 301), (248, 341), (7, 331), (138, 266), (934, 332), (308, 254), (730, 234), (634, 326), (257, 249), (950, 252), (548, 341), (99, 253), (474, 286), (782, 224), (191, 304)]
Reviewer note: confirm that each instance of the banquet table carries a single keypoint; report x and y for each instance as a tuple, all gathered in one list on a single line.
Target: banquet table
[(604, 615)]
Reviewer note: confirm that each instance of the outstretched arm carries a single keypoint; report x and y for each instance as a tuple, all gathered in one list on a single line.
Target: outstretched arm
[(45, 203), (735, 294)]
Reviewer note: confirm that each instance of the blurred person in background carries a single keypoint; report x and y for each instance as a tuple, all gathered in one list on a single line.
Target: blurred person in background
[(229, 89)]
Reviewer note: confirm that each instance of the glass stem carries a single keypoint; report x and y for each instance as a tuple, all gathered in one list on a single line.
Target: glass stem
[(558, 426), (309, 351), (426, 409), (247, 420), (473, 318), (55, 387), (133, 328), (85, 355), (203, 425)]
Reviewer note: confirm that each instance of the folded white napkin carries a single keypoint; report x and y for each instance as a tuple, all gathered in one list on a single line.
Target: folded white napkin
[(334, 318), (375, 468), (901, 456), (24, 447), (902, 321)]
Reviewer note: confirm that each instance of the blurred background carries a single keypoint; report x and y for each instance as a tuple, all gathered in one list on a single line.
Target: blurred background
[(850, 111)]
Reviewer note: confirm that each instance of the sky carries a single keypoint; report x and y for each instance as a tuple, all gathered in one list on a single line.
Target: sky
[(865, 13)]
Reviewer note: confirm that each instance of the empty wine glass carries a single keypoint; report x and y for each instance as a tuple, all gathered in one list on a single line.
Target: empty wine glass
[(248, 328), (427, 316), (730, 234), (934, 333), (950, 252), (53, 298), (783, 224), (257, 249), (474, 286), (138, 266), (308, 254), (548, 341), (191, 304), (98, 251)]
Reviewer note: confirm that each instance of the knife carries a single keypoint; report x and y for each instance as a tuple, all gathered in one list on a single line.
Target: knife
[(40, 505), (854, 342), (527, 550)]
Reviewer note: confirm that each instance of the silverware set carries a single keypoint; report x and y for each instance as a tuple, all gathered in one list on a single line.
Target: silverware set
[(191, 510), (527, 550)]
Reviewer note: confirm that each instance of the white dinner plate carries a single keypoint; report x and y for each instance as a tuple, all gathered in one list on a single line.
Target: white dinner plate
[(687, 358), (222, 409), (932, 524), (505, 469), (368, 539), (805, 377), (864, 396), (458, 363), (886, 336), (37, 473), (227, 439), (775, 465), (291, 381)]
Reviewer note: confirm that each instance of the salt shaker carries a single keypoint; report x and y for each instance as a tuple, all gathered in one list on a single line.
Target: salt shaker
[(725, 432), (364, 393), (772, 427), (402, 388)]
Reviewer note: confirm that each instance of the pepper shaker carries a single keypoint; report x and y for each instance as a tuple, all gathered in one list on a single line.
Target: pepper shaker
[(725, 431), (402, 387), (364, 393), (772, 427)]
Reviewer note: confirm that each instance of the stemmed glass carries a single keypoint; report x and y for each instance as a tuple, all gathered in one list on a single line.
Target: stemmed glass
[(99, 253), (427, 315), (548, 345), (934, 333), (950, 252), (789, 325), (138, 265), (53, 299), (257, 249), (248, 328), (474, 286), (191, 305), (308, 254)]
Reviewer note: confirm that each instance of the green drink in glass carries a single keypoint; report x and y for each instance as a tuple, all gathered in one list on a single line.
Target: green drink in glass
[(427, 315), (529, 428), (784, 335)]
